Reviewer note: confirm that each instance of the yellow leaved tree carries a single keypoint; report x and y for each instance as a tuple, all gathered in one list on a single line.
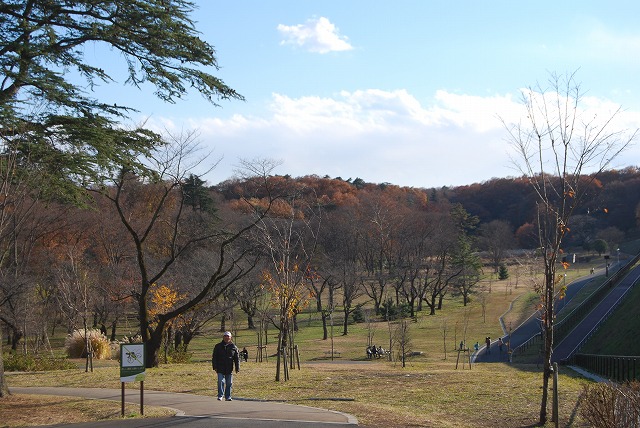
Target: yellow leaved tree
[(164, 298)]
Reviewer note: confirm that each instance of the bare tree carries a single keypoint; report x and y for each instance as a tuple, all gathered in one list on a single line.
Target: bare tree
[(378, 224), (247, 295), (496, 237), (74, 283), (438, 273), (342, 248), (164, 230), (289, 237), (557, 144), (403, 339)]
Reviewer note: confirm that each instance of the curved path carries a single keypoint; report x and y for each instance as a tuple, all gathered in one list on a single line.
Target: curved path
[(531, 326), (192, 409)]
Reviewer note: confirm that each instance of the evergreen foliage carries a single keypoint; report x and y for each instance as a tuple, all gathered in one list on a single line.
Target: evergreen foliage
[(48, 117), (503, 272)]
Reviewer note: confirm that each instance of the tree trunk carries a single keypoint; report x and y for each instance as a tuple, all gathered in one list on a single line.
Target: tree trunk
[(345, 322), (548, 339), (151, 337), (187, 337), (325, 331), (113, 330), (223, 323), (4, 388), (177, 341), (152, 347), (250, 323), (16, 335), (282, 343)]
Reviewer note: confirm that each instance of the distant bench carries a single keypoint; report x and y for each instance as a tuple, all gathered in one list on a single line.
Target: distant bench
[(328, 353)]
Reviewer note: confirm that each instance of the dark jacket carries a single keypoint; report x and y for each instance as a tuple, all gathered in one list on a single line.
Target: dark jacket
[(225, 357)]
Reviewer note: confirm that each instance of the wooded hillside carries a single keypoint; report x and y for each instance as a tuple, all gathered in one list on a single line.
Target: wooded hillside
[(180, 254)]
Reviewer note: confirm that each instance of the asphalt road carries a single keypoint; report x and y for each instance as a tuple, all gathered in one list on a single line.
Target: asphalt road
[(200, 411)]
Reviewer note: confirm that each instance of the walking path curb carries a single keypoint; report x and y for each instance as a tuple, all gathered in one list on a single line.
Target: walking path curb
[(200, 405)]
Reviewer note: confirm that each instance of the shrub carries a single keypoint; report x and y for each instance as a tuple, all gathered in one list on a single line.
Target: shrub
[(611, 405), (358, 314), (75, 344), (392, 312), (179, 356), (31, 363)]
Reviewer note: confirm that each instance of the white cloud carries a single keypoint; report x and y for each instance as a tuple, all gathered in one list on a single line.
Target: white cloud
[(379, 136), (316, 35)]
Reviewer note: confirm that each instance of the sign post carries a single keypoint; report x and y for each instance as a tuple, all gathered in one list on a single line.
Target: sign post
[(132, 368)]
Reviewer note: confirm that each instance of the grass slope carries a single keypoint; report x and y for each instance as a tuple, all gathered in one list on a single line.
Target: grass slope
[(619, 334)]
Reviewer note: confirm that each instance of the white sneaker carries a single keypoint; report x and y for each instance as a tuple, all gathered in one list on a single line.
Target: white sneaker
[(229, 399), (219, 398)]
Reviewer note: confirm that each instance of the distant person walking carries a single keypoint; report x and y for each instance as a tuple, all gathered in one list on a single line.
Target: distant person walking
[(224, 358), (488, 342), (500, 343)]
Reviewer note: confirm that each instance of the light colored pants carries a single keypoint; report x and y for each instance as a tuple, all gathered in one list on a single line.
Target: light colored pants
[(225, 383)]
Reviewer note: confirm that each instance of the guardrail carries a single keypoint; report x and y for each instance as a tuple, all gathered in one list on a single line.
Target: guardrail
[(569, 322), (612, 367), (524, 347)]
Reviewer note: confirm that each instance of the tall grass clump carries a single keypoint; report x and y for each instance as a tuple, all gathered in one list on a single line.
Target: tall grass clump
[(76, 347)]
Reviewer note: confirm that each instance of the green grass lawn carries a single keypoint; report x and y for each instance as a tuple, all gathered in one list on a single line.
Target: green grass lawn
[(619, 334)]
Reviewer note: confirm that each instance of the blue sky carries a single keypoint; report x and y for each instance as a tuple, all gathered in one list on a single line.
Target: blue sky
[(404, 92)]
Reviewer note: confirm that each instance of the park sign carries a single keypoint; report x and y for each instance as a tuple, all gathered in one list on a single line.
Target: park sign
[(132, 358)]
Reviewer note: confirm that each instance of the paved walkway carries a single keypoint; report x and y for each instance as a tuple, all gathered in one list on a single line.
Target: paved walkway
[(527, 329), (567, 346), (205, 406)]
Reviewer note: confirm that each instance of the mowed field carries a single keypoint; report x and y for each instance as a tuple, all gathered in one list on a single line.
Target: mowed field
[(434, 388)]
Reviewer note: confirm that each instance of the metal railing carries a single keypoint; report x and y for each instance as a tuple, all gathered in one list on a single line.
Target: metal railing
[(535, 341), (611, 367), (569, 322)]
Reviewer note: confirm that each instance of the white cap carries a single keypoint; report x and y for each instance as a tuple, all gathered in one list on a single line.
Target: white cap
[(227, 333)]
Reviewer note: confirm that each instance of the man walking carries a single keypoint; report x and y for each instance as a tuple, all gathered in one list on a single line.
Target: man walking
[(223, 360)]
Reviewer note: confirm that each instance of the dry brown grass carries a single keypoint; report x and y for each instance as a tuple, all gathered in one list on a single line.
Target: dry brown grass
[(32, 410), (378, 393), (428, 392)]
